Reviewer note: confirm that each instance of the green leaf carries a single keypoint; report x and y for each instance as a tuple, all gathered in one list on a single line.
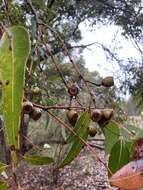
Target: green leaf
[(14, 51), (135, 132), (119, 156), (38, 160), (3, 185), (81, 122), (131, 145), (3, 166), (76, 144), (112, 133)]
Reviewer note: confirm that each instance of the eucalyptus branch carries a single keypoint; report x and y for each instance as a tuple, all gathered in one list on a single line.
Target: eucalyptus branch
[(64, 46), (59, 107), (57, 50), (81, 139)]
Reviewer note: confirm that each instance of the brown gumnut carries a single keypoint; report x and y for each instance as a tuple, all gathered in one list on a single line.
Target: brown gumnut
[(92, 131), (73, 90), (108, 81), (72, 116), (107, 113), (96, 115), (106, 116), (36, 114), (27, 107)]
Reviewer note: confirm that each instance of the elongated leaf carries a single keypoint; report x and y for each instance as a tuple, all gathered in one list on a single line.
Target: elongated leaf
[(14, 51), (38, 160), (3, 185), (81, 122), (77, 145), (119, 156), (112, 133)]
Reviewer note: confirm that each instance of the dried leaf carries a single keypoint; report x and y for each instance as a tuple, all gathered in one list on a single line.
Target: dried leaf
[(129, 177)]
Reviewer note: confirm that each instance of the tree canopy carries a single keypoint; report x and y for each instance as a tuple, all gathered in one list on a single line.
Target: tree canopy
[(52, 24)]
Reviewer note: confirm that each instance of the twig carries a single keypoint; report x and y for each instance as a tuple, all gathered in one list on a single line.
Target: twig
[(56, 65), (45, 108), (96, 139), (96, 84), (96, 146)]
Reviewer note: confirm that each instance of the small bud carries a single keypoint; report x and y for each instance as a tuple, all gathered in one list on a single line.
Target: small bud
[(72, 116), (36, 114), (36, 90), (27, 107), (92, 131), (73, 90), (96, 115), (108, 81)]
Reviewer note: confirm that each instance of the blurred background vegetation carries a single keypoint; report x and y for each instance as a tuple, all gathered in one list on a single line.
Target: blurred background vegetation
[(43, 84)]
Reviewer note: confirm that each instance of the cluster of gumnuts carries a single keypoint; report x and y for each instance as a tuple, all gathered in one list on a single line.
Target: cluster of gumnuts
[(34, 113), (100, 116)]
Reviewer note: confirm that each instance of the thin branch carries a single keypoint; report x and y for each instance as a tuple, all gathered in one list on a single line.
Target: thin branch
[(56, 34), (56, 65), (60, 107), (96, 84), (58, 50), (96, 146), (95, 139), (29, 2)]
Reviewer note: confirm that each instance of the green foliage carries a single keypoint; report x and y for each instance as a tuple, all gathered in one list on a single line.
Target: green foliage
[(3, 185), (131, 132), (119, 156), (120, 143), (14, 51), (2, 167), (112, 133), (81, 122), (76, 144), (38, 160)]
